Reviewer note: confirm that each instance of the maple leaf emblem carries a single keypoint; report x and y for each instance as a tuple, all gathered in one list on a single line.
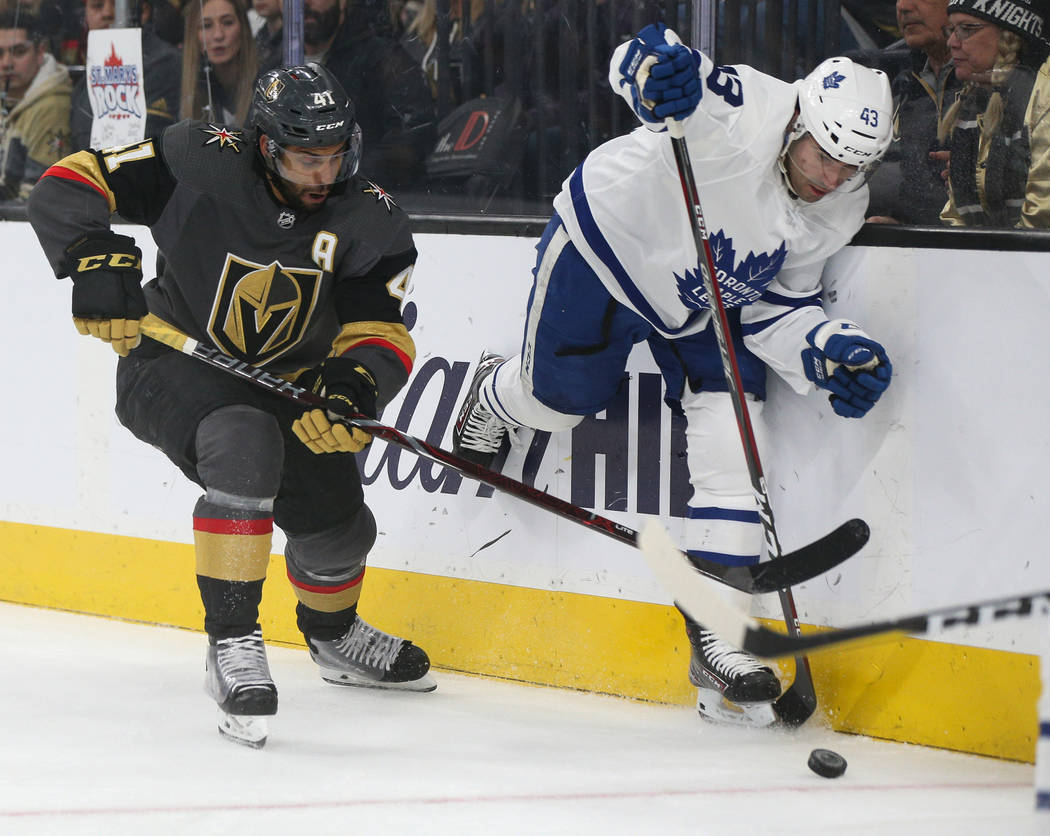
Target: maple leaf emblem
[(833, 80), (738, 284), (380, 194), (224, 136)]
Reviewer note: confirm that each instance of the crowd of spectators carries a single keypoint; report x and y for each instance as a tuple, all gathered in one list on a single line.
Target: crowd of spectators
[(971, 89), (972, 99)]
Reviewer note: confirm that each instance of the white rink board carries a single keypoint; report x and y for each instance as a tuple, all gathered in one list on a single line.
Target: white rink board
[(948, 470)]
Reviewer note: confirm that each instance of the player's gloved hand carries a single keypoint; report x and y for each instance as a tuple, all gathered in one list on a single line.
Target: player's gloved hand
[(108, 302), (849, 364), (662, 75), (348, 387)]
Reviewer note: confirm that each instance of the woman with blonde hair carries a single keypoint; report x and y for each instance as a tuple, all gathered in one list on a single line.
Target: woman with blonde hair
[(997, 131), (219, 63), (421, 40)]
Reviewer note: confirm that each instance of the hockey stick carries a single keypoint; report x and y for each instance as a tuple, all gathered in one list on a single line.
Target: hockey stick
[(751, 635), (794, 568), (799, 701)]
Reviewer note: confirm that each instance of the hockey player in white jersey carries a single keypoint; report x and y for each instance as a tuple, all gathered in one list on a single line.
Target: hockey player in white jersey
[(781, 170)]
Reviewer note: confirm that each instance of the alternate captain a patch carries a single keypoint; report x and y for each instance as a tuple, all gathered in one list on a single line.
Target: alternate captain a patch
[(225, 137), (379, 193), (262, 310)]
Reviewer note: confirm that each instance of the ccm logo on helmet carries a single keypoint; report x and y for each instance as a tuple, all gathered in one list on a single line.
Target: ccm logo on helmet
[(331, 126), (857, 151)]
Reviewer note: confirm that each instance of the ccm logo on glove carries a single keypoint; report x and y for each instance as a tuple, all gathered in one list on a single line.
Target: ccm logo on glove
[(115, 260), (108, 302), (348, 388)]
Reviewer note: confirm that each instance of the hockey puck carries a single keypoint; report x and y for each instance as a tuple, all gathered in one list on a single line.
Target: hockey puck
[(826, 763)]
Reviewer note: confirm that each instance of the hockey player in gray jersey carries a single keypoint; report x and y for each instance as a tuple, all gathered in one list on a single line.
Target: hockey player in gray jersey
[(279, 254), (781, 171)]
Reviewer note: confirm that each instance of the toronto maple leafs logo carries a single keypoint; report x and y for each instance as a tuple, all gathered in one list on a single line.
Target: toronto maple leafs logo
[(738, 284), (834, 79), (224, 136)]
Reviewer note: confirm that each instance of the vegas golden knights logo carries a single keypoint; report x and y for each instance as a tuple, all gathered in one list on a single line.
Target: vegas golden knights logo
[(262, 310)]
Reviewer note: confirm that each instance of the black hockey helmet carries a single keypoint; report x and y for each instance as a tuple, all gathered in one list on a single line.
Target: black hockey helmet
[(304, 107)]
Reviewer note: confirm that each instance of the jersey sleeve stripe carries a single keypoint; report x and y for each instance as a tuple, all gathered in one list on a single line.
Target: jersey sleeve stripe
[(406, 361), (604, 252), (392, 336), (82, 167), (773, 307), (774, 298), (750, 329)]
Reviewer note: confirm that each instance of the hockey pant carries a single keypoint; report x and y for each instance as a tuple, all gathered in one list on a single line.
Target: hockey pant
[(573, 362), (237, 444)]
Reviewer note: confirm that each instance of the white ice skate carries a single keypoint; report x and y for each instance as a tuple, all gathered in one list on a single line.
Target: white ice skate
[(478, 433), (237, 677)]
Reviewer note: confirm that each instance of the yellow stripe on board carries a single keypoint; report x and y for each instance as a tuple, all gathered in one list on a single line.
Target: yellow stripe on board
[(950, 696)]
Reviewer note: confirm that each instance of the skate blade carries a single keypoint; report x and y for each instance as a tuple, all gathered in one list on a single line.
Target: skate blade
[(245, 729), (424, 684), (713, 706)]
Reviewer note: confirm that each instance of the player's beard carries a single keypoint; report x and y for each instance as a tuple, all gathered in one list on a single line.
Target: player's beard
[(295, 196)]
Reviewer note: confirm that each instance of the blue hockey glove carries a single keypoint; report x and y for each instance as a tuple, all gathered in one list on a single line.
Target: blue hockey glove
[(662, 75), (849, 364)]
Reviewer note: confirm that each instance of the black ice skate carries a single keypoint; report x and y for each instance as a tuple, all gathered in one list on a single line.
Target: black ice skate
[(238, 679), (732, 686), (369, 658), (478, 433)]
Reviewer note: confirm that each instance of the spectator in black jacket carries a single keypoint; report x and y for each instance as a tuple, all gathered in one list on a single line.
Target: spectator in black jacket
[(908, 188), (162, 67), (389, 90), (269, 40)]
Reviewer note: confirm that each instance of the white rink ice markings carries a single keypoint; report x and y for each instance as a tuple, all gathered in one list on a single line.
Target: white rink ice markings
[(105, 729)]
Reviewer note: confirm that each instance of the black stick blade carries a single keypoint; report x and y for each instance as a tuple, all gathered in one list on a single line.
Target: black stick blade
[(811, 560), (797, 703)]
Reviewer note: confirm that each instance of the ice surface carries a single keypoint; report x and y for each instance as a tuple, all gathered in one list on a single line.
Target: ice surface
[(104, 728)]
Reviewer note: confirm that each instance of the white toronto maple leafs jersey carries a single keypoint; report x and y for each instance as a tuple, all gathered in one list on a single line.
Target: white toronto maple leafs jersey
[(624, 211)]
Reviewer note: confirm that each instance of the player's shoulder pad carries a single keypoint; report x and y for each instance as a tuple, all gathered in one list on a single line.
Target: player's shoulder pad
[(369, 206), (204, 155)]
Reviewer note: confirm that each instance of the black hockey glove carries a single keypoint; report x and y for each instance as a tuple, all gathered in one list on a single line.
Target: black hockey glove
[(108, 302), (348, 387)]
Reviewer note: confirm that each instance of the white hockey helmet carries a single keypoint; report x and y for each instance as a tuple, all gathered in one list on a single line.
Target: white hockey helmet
[(848, 110)]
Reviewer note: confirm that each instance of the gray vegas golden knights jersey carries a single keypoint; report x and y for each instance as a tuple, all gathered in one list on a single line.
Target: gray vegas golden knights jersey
[(243, 272)]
